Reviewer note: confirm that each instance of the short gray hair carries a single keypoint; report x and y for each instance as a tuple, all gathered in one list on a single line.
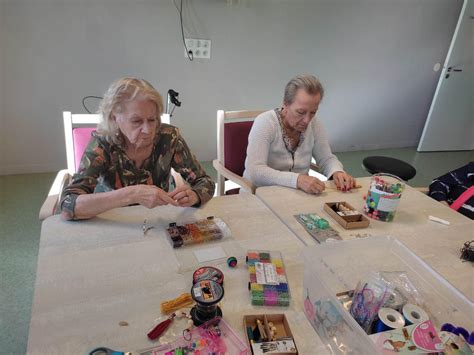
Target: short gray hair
[(308, 83), (120, 91)]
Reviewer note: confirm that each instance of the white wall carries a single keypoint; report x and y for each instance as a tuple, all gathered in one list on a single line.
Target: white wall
[(375, 58)]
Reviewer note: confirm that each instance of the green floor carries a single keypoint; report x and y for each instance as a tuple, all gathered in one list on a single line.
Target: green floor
[(21, 197)]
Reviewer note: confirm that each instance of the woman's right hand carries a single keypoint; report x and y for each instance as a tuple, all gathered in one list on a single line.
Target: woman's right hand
[(310, 184), (150, 196)]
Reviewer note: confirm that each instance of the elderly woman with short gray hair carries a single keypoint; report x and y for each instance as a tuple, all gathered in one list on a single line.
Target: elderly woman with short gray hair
[(283, 141), (131, 156)]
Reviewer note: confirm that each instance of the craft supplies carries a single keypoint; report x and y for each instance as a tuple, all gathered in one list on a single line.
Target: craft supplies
[(268, 284), (467, 252), (207, 294), (269, 334), (455, 344), (232, 262), (346, 215), (213, 337), (146, 227), (384, 194), (413, 339), (208, 273), (369, 296), (201, 231), (469, 337), (395, 300), (160, 328), (414, 314), (388, 319), (107, 351), (317, 227), (439, 220), (185, 300)]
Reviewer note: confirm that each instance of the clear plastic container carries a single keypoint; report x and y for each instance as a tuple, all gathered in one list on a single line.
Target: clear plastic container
[(336, 268), (268, 283), (213, 337), (385, 191)]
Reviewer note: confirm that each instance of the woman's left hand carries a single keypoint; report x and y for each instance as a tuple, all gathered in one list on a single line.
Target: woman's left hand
[(343, 181), (184, 195)]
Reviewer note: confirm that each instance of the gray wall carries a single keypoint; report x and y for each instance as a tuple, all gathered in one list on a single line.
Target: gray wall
[(375, 58)]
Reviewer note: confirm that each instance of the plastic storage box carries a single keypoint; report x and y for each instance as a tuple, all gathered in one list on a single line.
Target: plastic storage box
[(268, 284), (337, 267)]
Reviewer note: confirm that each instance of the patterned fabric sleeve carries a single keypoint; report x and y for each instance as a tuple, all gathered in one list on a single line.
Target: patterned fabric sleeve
[(186, 164), (440, 187), (93, 163)]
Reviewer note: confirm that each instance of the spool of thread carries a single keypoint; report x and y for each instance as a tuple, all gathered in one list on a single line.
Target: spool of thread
[(232, 262), (414, 314), (208, 273), (207, 294), (389, 319)]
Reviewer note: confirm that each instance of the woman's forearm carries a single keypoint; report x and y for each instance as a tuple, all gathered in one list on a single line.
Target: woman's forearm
[(90, 205)]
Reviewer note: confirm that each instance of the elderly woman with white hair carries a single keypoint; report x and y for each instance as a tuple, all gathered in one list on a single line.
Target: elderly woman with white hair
[(283, 141), (131, 156)]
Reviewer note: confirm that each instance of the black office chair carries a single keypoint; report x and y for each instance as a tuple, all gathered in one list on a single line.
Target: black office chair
[(379, 164)]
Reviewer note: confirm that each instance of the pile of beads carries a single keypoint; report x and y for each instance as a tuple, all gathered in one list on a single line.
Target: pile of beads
[(268, 284)]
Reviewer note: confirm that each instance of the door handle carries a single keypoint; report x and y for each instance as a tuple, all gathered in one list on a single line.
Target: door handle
[(450, 70)]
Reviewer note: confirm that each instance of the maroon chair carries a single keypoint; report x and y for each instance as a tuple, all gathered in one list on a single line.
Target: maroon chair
[(233, 128)]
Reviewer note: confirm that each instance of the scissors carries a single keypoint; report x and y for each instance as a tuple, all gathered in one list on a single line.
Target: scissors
[(106, 351)]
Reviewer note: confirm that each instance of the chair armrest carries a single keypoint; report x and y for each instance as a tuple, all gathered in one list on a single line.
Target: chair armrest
[(52, 200), (239, 180)]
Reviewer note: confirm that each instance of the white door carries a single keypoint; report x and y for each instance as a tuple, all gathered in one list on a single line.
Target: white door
[(450, 122)]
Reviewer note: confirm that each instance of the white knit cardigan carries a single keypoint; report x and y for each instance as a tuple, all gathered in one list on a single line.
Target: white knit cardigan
[(268, 161)]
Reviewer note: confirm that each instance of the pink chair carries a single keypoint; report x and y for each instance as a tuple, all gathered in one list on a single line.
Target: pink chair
[(77, 133), (233, 128)]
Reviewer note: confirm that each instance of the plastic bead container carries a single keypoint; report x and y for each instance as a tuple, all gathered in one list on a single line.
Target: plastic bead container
[(268, 283)]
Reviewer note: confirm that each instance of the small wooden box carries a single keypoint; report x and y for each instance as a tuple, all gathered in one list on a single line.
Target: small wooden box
[(349, 221), (282, 331)]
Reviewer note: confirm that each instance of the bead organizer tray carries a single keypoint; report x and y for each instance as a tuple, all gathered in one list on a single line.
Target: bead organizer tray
[(317, 227), (346, 215), (201, 231), (268, 284)]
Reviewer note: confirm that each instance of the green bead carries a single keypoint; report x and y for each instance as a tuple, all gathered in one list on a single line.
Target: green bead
[(322, 223)]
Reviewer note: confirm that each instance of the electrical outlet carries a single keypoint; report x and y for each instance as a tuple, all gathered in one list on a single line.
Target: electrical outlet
[(201, 48)]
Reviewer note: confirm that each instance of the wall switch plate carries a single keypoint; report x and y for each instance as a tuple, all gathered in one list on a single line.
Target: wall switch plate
[(201, 48)]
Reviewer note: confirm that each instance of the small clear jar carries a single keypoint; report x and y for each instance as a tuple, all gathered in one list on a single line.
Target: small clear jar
[(384, 194)]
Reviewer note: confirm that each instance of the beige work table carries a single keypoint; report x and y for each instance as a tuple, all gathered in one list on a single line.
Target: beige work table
[(437, 244), (93, 274)]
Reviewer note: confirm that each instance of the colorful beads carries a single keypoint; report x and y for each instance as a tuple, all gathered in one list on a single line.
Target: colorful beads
[(268, 284)]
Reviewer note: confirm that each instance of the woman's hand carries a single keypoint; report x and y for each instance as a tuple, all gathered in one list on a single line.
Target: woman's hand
[(184, 196), (151, 196), (343, 181), (310, 184)]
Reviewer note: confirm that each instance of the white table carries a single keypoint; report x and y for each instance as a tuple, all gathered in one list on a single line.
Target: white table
[(93, 274), (436, 243)]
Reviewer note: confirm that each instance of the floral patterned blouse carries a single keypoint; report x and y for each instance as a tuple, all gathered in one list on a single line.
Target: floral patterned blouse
[(105, 166)]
